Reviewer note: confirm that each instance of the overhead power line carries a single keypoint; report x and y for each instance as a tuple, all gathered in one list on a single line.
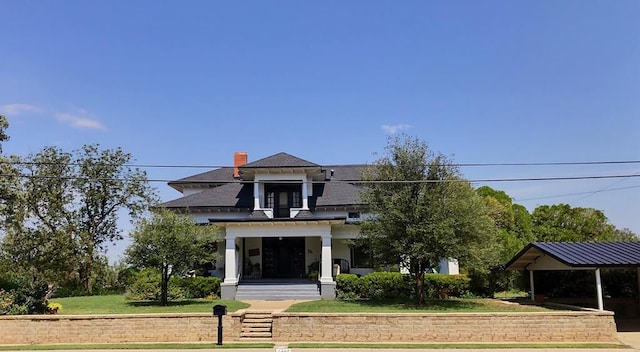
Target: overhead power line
[(576, 193), (174, 166), (521, 179)]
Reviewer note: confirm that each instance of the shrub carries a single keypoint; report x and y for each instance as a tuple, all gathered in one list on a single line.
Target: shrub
[(146, 286), (6, 302), (198, 287), (375, 286), (385, 285), (445, 286), (394, 285), (22, 295), (347, 287)]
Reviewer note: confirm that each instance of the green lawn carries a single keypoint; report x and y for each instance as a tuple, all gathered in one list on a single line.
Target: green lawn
[(398, 306), (117, 304)]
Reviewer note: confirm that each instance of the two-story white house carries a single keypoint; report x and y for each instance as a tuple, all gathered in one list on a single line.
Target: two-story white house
[(279, 215)]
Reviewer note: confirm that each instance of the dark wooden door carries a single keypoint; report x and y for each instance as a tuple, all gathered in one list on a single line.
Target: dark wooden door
[(283, 257)]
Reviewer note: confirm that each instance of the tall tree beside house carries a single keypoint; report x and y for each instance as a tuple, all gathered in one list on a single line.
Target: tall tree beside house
[(69, 211), (4, 124), (171, 243), (513, 232), (561, 222), (425, 211), (10, 188)]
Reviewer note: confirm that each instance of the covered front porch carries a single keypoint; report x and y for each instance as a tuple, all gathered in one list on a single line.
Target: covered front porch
[(284, 250)]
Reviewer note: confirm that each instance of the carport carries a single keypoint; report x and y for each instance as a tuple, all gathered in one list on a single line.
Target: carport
[(577, 256)]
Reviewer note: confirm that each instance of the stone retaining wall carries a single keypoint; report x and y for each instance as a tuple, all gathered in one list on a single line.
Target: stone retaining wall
[(571, 326), (48, 329), (565, 326)]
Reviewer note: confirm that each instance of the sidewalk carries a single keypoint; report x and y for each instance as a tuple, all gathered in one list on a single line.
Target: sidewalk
[(275, 306)]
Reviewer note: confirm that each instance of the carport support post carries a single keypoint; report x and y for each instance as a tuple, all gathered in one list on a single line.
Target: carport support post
[(599, 289), (533, 290)]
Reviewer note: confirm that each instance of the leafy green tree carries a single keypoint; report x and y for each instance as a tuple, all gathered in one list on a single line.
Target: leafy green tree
[(561, 222), (523, 224), (69, 210), (624, 235), (424, 211), (10, 190), (4, 124), (171, 243), (513, 233)]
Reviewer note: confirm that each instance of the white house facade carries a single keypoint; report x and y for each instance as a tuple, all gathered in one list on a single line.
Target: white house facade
[(281, 217)]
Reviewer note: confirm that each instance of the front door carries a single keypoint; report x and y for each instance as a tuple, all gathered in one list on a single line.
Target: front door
[(283, 257)]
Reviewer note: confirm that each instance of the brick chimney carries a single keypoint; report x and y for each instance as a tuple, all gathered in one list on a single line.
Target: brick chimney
[(239, 159)]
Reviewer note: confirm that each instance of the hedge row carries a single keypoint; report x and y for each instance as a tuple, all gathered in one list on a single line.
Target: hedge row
[(386, 285), (147, 287)]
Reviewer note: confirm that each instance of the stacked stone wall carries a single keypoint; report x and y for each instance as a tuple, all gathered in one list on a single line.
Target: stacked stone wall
[(50, 329), (581, 326), (566, 326)]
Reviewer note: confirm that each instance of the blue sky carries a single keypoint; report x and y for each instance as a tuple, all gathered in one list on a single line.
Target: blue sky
[(189, 83)]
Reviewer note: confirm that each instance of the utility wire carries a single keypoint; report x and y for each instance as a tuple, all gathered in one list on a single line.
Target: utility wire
[(523, 179), (150, 166), (577, 193)]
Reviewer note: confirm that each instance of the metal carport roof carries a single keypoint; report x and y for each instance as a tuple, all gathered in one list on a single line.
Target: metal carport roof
[(576, 256)]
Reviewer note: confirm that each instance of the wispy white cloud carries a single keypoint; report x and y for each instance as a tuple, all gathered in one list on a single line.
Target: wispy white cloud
[(80, 119), (18, 109), (392, 129)]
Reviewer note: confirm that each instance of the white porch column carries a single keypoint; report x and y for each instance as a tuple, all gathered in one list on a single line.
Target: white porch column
[(229, 286), (531, 283), (305, 195), (256, 195), (326, 270), (599, 289), (327, 285), (230, 270)]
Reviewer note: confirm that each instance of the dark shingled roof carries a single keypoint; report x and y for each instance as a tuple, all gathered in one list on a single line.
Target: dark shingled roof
[(330, 194), (279, 160), (230, 195), (580, 254), (344, 172), (217, 176)]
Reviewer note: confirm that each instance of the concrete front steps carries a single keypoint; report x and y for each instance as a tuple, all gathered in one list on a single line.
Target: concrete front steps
[(273, 290), (257, 326)]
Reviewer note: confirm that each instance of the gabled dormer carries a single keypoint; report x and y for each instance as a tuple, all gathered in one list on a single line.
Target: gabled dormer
[(282, 183)]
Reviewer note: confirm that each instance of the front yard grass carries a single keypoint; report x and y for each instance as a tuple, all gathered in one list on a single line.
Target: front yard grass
[(117, 304), (452, 305)]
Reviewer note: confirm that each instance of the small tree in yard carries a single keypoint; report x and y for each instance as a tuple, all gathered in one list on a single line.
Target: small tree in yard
[(424, 211), (172, 243)]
